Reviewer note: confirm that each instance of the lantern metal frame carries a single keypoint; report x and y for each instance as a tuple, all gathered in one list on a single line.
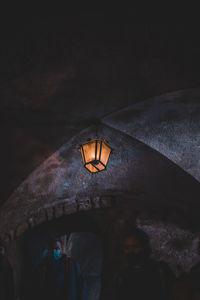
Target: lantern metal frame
[(96, 161)]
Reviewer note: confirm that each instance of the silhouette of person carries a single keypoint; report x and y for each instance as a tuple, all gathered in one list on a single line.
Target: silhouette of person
[(139, 277), (58, 276)]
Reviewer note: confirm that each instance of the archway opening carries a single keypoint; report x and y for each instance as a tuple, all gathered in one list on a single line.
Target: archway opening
[(80, 239)]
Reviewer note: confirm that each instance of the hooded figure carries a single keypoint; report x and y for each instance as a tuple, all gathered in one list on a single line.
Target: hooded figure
[(58, 276), (139, 276), (6, 276)]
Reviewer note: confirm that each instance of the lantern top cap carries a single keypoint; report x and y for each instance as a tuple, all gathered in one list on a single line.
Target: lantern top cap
[(94, 140)]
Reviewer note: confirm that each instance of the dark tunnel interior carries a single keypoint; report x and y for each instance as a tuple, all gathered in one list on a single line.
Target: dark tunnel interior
[(89, 82), (80, 240)]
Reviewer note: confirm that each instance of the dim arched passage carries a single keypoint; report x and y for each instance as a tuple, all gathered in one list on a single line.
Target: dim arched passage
[(80, 239)]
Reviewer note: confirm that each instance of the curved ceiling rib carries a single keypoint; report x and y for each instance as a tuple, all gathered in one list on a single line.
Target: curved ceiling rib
[(168, 123), (146, 176)]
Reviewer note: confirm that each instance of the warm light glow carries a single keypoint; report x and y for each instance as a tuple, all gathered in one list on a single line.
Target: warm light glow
[(95, 154)]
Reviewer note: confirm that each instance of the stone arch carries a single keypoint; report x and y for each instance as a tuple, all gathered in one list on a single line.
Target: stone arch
[(135, 170)]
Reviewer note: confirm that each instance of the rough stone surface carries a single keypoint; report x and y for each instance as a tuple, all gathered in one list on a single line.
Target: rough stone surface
[(50, 213), (106, 201), (134, 171), (172, 244), (58, 211), (40, 217), (70, 207), (84, 204), (169, 124)]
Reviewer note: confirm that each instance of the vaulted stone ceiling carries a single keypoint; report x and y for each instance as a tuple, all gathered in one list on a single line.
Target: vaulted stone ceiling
[(60, 74)]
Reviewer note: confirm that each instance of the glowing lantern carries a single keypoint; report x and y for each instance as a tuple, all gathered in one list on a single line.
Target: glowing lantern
[(95, 154)]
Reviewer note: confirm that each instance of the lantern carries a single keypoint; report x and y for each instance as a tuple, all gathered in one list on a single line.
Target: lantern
[(95, 154)]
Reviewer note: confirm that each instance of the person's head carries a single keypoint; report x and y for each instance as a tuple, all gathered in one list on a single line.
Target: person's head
[(136, 245), (55, 248), (2, 249)]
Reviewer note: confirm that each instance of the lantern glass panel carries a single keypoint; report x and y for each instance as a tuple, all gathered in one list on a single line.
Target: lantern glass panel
[(105, 152), (100, 166), (91, 168), (98, 150), (89, 151)]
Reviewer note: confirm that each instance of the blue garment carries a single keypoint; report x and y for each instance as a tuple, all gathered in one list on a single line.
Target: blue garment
[(59, 279)]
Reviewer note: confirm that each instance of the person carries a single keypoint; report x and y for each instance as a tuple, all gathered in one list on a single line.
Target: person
[(58, 276), (138, 277), (6, 275), (167, 278)]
